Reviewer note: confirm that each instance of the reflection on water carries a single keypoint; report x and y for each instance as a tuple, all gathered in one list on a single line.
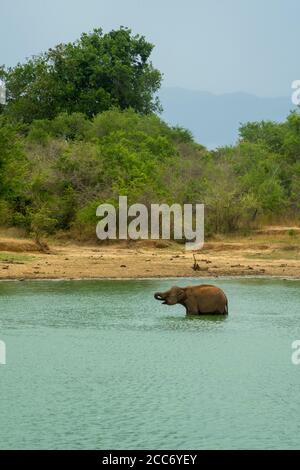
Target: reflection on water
[(101, 364)]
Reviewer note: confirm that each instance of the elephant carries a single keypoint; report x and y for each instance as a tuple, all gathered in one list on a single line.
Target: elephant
[(197, 300)]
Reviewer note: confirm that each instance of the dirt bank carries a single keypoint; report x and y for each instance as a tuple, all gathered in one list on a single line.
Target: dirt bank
[(260, 254)]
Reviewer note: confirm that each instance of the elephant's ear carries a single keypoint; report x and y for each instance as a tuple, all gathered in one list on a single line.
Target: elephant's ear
[(181, 295)]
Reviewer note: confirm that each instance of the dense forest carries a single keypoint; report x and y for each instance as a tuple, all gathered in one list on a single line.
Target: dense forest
[(81, 126)]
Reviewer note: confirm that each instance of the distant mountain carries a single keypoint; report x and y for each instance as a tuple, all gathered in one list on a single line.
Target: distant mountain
[(214, 119)]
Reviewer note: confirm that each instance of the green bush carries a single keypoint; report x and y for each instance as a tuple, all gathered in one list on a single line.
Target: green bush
[(55, 173)]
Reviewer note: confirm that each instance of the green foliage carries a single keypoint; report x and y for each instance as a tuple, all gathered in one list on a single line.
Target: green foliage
[(80, 130), (5, 213), (65, 126), (89, 76), (42, 222), (291, 141), (12, 161), (84, 225), (267, 133), (55, 174)]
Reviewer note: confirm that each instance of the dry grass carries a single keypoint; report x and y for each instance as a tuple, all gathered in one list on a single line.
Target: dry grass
[(18, 246)]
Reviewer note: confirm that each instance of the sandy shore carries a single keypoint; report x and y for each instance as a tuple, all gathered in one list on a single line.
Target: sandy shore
[(278, 256)]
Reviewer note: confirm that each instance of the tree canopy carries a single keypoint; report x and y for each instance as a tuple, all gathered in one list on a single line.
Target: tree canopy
[(91, 75)]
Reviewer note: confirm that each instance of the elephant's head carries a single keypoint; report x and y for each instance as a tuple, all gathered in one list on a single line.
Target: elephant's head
[(172, 296)]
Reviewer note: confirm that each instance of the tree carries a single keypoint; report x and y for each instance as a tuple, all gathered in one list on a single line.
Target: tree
[(41, 223), (12, 161), (91, 75), (292, 137), (268, 133)]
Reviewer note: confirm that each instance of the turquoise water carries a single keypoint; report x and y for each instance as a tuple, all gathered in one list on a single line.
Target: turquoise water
[(102, 365)]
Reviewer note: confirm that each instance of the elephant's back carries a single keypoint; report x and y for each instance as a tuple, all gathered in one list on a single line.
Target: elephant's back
[(208, 289)]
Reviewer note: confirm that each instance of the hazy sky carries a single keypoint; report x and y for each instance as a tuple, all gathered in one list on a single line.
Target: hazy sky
[(210, 45)]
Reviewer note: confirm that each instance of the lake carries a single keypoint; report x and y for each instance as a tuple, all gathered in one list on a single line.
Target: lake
[(102, 365)]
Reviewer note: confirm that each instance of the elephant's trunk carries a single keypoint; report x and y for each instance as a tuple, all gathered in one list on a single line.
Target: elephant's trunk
[(158, 296)]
